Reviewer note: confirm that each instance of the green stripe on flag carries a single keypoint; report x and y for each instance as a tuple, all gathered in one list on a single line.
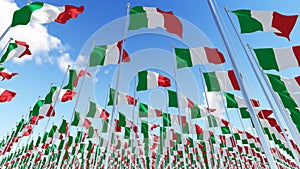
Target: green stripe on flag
[(172, 98), (183, 58), (10, 47), (111, 97), (211, 81), (247, 23), (72, 77), (287, 100), (266, 58), (138, 18), (92, 110), (49, 97), (244, 113), (145, 129), (23, 15), (97, 56), (167, 119), (143, 110), (277, 84), (122, 120), (231, 102), (195, 112), (142, 81)]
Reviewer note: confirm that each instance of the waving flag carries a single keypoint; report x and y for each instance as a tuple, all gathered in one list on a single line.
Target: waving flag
[(16, 49), (151, 18), (5, 74), (281, 84), (6, 95), (62, 95), (74, 76), (266, 21), (148, 79), (39, 12), (221, 80)]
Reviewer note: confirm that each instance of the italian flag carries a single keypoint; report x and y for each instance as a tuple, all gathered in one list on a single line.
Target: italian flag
[(122, 98), (74, 76), (266, 21), (124, 121), (289, 100), (151, 18), (216, 122), (39, 12), (234, 101), (108, 54), (189, 57), (5, 74), (173, 120), (81, 121), (15, 50), (281, 84), (221, 80), (92, 132), (6, 95), (184, 101), (148, 79), (147, 111), (198, 111), (62, 95), (95, 111), (41, 109), (278, 58)]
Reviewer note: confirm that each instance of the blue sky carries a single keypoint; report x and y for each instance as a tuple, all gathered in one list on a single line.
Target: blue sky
[(148, 49)]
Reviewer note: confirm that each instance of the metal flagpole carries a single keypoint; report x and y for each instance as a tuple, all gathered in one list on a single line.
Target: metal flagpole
[(6, 45), (168, 133), (133, 112), (245, 95), (117, 85), (5, 32), (266, 94)]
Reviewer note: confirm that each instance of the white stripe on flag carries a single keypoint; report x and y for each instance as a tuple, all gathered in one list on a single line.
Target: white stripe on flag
[(152, 80), (285, 58), (265, 18), (112, 54), (155, 19), (198, 56)]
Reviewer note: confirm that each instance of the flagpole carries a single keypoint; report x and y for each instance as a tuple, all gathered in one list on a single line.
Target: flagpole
[(5, 32), (117, 84), (245, 95), (133, 111), (168, 133)]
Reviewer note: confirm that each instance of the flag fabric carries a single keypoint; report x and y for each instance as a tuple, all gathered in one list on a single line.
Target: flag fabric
[(122, 98), (289, 100), (282, 84), (95, 111), (74, 76), (234, 101), (217, 122), (62, 95), (173, 102), (41, 109), (6, 95), (16, 49), (92, 132), (173, 120), (39, 12), (148, 79), (198, 111), (108, 54), (278, 58), (221, 81), (151, 18), (266, 21), (124, 121), (189, 57), (81, 121), (147, 111), (184, 101), (5, 74)]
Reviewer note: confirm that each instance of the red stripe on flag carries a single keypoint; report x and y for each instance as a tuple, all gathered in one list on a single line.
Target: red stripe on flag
[(68, 95), (284, 24), (198, 129), (255, 103), (70, 12), (233, 80), (163, 81), (296, 50), (7, 96), (27, 51), (171, 22), (214, 56), (125, 56), (131, 100)]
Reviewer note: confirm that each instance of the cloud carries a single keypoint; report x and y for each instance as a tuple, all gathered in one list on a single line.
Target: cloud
[(36, 35), (63, 61), (215, 101)]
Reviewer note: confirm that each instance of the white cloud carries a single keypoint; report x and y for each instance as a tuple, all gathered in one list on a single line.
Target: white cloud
[(63, 61), (35, 35), (215, 101)]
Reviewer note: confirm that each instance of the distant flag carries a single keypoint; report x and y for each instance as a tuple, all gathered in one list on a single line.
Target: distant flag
[(62, 95), (221, 80), (41, 109), (6, 95), (266, 21), (15, 49), (281, 84), (74, 76), (108, 54), (95, 111), (122, 98), (39, 12), (278, 58), (234, 101), (148, 79), (147, 111), (80, 121), (189, 57), (150, 17), (5, 74)]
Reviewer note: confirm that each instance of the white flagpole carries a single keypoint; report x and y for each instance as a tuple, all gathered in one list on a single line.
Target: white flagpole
[(258, 128), (5, 32)]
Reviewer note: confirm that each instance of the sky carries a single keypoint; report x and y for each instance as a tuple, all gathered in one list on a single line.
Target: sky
[(54, 46)]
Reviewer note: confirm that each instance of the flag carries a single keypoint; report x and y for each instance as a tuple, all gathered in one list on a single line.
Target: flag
[(173, 102), (289, 100), (189, 57), (92, 132), (108, 54), (95, 111), (221, 80), (41, 109), (124, 121), (216, 122), (5, 74), (184, 101), (39, 12), (145, 129), (6, 95), (173, 120), (74, 78), (266, 21), (282, 84), (148, 79), (122, 98), (64, 127), (234, 101), (147, 111), (16, 49), (244, 113), (278, 58), (81, 121), (198, 111), (151, 18), (62, 95)]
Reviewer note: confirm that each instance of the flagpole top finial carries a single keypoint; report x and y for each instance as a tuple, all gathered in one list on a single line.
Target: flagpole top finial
[(11, 38), (94, 43), (225, 7), (172, 45), (108, 85), (28, 2), (128, 5), (69, 66)]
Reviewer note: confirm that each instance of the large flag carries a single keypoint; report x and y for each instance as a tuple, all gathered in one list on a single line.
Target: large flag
[(234, 101), (148, 111), (289, 100), (151, 18), (281, 84), (39, 12), (41, 109), (6, 95), (122, 98), (278, 58), (5, 74), (95, 111), (221, 80), (81, 121), (189, 57), (148, 79), (266, 21), (62, 95), (108, 54), (15, 49), (74, 76)]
